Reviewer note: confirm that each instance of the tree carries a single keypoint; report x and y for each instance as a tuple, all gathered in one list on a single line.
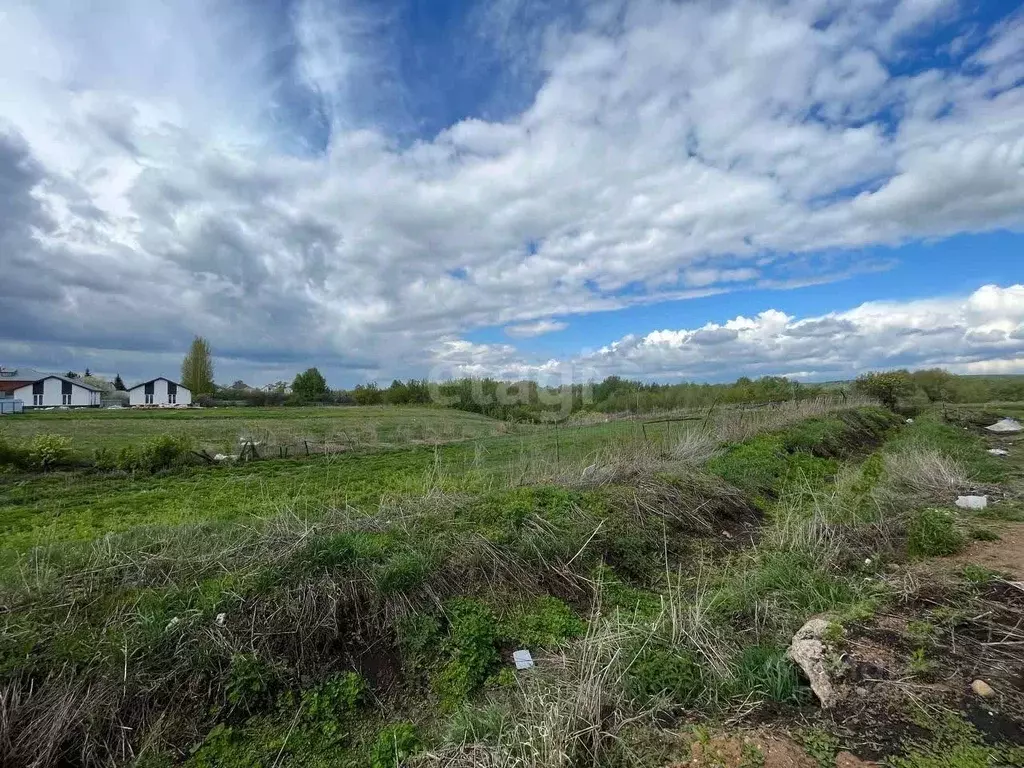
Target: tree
[(197, 368), (887, 386), (119, 383), (310, 385), (87, 373), (70, 375)]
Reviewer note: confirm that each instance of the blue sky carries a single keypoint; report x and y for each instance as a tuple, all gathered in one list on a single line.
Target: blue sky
[(561, 190)]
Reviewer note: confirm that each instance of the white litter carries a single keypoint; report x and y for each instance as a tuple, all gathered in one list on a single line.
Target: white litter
[(910, 421), (523, 659), (221, 619), (172, 624), (999, 451), (972, 502), (1007, 426)]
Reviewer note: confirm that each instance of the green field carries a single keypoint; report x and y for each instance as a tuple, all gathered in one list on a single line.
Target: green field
[(358, 607), (219, 429)]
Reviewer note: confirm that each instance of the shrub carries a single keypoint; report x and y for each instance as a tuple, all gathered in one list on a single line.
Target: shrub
[(659, 671), (250, 683), (889, 386), (933, 533), (157, 453), (47, 451), (470, 648), (394, 745), (542, 623)]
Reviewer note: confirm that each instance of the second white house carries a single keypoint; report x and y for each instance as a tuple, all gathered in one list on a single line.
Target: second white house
[(159, 391)]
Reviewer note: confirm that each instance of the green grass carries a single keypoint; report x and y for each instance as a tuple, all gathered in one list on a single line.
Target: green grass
[(439, 562), (218, 429)]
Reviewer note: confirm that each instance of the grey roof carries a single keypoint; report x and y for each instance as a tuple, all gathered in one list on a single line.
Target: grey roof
[(31, 375), (158, 378)]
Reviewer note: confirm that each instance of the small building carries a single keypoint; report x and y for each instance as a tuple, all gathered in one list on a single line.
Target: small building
[(159, 391), (37, 389)]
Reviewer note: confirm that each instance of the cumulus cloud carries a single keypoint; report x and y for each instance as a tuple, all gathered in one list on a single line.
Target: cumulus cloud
[(977, 334), (665, 150)]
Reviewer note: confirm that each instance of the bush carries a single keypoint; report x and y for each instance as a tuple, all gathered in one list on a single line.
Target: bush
[(394, 745), (251, 683), (470, 648), (157, 453), (47, 451), (543, 623), (889, 386), (659, 671), (933, 533)]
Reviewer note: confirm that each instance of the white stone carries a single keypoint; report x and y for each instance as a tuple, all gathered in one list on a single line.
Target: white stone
[(1007, 426), (523, 659), (808, 651), (999, 451), (983, 689), (972, 502)]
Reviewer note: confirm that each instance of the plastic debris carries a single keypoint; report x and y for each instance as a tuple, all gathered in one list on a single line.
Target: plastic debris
[(523, 659), (910, 421), (1007, 426), (972, 502), (221, 619), (172, 624), (999, 451)]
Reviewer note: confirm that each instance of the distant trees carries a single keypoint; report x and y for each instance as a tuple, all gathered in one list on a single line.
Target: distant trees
[(197, 368), (888, 386), (119, 384), (310, 385), (70, 375)]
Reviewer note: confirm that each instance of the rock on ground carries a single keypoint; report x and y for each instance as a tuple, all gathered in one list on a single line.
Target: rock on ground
[(1006, 426), (808, 651), (972, 502)]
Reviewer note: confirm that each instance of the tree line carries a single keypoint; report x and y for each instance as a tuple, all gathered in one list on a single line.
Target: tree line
[(530, 401)]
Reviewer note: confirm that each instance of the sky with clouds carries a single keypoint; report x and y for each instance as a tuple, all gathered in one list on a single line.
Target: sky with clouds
[(555, 189)]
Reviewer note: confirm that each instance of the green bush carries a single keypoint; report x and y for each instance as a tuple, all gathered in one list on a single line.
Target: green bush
[(394, 745), (250, 684), (933, 533), (48, 451), (541, 623), (659, 671), (157, 453), (470, 649)]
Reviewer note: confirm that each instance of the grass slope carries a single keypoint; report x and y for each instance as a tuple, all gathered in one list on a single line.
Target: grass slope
[(363, 609)]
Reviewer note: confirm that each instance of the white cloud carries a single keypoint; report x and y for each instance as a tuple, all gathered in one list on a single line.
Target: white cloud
[(670, 150), (980, 333), (539, 328)]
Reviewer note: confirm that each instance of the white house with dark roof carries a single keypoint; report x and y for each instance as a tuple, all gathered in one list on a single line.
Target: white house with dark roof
[(37, 389), (159, 391)]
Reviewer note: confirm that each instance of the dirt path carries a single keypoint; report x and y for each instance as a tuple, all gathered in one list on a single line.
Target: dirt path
[(1005, 556)]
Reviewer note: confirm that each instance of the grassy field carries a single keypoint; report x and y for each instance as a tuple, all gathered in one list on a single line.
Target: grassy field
[(219, 429), (360, 608)]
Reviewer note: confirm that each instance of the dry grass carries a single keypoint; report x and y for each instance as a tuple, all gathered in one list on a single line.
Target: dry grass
[(569, 711), (926, 474)]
